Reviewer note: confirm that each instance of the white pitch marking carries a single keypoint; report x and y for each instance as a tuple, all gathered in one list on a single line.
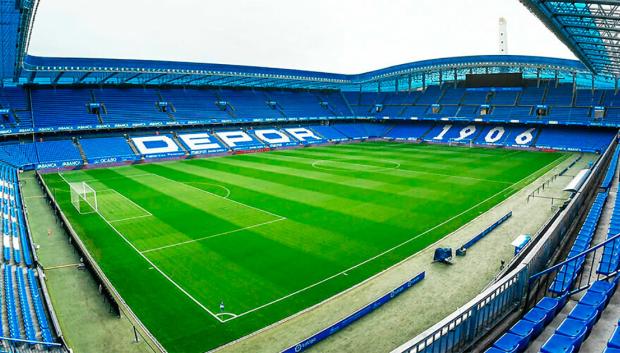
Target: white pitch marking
[(312, 285), (126, 198), (457, 176), (121, 195), (232, 316), (216, 195), (131, 218), (89, 178), (380, 254), (213, 184), (316, 165), (153, 265), (212, 236), (386, 169)]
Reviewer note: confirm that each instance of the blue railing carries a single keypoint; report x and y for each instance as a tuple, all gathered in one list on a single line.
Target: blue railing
[(587, 272), (462, 329), (327, 332), (465, 326)]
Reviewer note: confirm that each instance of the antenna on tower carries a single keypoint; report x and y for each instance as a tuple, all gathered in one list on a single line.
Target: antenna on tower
[(503, 36)]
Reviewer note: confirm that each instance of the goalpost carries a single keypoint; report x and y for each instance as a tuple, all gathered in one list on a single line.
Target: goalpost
[(461, 142), (84, 198)]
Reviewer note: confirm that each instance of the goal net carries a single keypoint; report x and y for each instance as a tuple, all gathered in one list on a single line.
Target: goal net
[(461, 142), (84, 198)]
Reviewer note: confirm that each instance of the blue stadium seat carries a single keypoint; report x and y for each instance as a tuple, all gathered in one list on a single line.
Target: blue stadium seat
[(559, 344), (572, 139), (106, 147), (46, 332), (409, 131), (10, 303), (510, 342), (58, 151), (25, 306), (585, 313), (574, 329), (614, 341), (62, 107), (524, 329), (141, 108), (329, 133), (539, 317)]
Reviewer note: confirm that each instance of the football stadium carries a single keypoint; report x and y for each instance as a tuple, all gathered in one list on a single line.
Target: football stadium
[(455, 204)]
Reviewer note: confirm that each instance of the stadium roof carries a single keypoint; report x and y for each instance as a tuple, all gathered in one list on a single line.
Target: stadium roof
[(590, 28), (17, 17), (74, 71)]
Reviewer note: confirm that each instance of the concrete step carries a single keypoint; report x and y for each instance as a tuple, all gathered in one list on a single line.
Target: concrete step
[(604, 328)]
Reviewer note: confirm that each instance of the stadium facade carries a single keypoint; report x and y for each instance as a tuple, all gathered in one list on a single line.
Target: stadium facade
[(60, 114)]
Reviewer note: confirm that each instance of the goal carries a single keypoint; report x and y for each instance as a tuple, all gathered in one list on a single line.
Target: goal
[(84, 198), (461, 142)]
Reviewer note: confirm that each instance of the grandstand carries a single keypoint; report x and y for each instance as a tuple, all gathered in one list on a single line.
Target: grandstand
[(328, 192)]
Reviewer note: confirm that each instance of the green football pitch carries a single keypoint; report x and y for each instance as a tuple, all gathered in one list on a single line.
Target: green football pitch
[(270, 234)]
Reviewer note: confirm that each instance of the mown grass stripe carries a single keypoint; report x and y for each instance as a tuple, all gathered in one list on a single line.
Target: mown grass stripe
[(269, 272)]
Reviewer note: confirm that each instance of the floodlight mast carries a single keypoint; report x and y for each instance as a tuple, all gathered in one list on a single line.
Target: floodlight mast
[(503, 36)]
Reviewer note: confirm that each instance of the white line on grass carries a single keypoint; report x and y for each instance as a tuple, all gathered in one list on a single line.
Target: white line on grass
[(227, 190), (93, 179), (126, 198), (215, 315), (212, 236), (226, 314), (457, 176), (316, 164), (130, 218), (397, 166), (219, 196), (380, 254), (153, 265)]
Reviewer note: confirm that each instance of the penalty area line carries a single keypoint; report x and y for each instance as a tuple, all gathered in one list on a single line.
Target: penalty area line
[(212, 236), (218, 196), (155, 266)]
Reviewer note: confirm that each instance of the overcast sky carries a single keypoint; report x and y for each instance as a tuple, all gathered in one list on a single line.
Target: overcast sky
[(343, 36)]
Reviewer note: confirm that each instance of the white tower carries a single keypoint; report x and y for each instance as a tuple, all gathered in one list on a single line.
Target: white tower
[(503, 36)]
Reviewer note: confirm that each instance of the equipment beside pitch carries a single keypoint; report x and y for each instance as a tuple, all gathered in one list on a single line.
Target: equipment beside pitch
[(461, 142), (83, 198), (443, 255)]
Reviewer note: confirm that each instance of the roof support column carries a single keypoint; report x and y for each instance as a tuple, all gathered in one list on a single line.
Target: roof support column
[(396, 85), (424, 80), (574, 82), (538, 77), (592, 83), (616, 84), (379, 86), (555, 75), (409, 83), (455, 77), (440, 78)]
